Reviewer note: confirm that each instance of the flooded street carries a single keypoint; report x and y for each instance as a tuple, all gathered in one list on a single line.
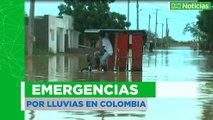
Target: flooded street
[(175, 65)]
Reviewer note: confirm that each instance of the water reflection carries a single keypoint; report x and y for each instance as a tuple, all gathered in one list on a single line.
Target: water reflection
[(206, 100), (175, 64), (89, 115), (66, 68), (32, 115)]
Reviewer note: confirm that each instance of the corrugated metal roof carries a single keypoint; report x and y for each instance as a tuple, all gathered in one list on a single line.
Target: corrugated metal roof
[(114, 31)]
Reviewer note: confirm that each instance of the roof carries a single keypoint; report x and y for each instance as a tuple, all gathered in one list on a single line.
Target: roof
[(113, 31)]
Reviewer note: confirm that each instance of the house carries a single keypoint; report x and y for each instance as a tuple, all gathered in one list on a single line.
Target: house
[(54, 34)]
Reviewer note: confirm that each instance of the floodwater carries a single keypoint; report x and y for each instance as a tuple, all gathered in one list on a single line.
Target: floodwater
[(189, 95)]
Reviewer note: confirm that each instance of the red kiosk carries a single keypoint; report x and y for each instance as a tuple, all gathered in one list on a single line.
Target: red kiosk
[(127, 48)]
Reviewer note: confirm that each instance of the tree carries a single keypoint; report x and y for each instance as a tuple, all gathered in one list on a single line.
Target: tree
[(205, 23), (151, 36), (195, 31), (94, 14)]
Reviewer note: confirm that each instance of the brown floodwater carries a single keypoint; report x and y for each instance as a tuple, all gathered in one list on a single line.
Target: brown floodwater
[(175, 65)]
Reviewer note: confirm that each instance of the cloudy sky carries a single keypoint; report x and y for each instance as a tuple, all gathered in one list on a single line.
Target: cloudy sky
[(177, 20)]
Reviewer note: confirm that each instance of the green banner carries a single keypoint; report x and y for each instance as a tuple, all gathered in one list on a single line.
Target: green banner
[(89, 89), (190, 5), (11, 57)]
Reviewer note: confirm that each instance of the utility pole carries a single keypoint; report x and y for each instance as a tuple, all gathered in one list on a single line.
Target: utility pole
[(162, 37), (156, 25), (149, 31), (167, 33), (30, 37), (137, 12), (166, 27), (149, 23), (162, 30), (128, 13)]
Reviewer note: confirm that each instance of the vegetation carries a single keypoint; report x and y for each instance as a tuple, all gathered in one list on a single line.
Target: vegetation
[(195, 31), (164, 42), (93, 14), (202, 30), (205, 23)]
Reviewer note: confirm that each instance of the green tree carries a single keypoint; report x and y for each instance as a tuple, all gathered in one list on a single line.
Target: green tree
[(161, 42), (151, 36), (93, 14), (205, 23), (195, 31)]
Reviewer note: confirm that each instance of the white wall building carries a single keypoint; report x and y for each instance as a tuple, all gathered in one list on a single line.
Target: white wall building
[(61, 34), (55, 34)]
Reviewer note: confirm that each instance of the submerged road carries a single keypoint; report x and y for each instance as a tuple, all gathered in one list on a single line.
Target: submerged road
[(176, 65)]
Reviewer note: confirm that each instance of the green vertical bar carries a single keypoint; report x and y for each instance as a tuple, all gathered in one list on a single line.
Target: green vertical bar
[(11, 57)]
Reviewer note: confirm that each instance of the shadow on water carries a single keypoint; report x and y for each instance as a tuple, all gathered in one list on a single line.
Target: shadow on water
[(175, 64)]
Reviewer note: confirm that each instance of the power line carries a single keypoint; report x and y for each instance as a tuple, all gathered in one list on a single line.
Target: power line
[(166, 9)]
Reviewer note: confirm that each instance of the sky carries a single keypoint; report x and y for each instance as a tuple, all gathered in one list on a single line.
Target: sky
[(177, 19)]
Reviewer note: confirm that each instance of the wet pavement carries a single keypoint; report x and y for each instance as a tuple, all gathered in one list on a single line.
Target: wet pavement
[(177, 64)]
